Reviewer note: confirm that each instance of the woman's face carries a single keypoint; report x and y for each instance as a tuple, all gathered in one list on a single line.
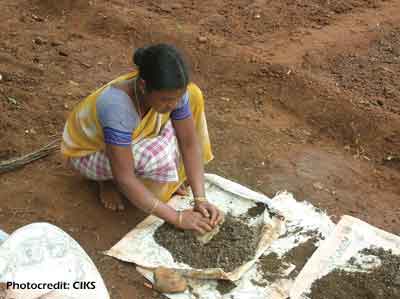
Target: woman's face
[(164, 101)]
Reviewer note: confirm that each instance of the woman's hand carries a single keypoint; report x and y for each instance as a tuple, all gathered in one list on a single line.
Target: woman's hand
[(191, 220), (209, 211)]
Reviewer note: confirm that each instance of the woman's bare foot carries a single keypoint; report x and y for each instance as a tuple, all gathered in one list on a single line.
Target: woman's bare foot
[(110, 196)]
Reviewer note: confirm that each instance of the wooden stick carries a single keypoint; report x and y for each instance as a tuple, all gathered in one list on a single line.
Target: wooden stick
[(14, 163)]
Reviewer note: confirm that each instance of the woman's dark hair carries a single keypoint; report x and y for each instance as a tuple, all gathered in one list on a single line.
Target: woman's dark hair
[(162, 67)]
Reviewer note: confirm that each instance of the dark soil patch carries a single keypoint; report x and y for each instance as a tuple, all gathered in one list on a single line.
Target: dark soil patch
[(225, 286), (257, 210), (272, 266), (299, 255), (233, 246), (383, 282)]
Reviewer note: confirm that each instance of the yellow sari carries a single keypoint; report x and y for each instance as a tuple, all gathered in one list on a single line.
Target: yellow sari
[(83, 134)]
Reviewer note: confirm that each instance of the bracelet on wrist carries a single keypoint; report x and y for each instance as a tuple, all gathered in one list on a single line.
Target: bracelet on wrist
[(180, 218), (200, 199), (155, 205)]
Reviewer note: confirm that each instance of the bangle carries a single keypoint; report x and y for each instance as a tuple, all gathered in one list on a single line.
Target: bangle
[(156, 202), (180, 218), (200, 198)]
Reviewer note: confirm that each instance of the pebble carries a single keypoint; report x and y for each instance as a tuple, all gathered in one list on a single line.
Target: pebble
[(318, 186), (1, 77), (12, 100), (55, 43), (63, 53), (37, 18), (39, 41), (202, 39)]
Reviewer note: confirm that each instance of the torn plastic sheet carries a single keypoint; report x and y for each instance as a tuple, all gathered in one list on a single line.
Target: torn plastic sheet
[(298, 221), (350, 236)]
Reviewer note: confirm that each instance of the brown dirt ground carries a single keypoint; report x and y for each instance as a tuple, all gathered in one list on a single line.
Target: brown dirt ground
[(301, 95)]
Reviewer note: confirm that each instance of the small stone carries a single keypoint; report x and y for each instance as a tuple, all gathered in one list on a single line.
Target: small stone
[(257, 16), (39, 41), (63, 53), (66, 106), (318, 186), (202, 39), (1, 77), (37, 18), (12, 100), (169, 281), (55, 43)]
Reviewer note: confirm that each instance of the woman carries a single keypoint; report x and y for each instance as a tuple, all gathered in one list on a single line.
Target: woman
[(143, 134)]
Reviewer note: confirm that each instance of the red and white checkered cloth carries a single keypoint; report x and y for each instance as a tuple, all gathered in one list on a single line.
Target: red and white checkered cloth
[(155, 158)]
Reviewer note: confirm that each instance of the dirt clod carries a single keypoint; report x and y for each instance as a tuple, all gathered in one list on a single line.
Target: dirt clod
[(225, 286), (257, 210)]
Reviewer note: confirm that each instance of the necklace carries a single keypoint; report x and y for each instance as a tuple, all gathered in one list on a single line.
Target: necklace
[(137, 98)]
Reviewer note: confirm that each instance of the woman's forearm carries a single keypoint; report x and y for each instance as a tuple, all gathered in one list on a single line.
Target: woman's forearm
[(192, 160)]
